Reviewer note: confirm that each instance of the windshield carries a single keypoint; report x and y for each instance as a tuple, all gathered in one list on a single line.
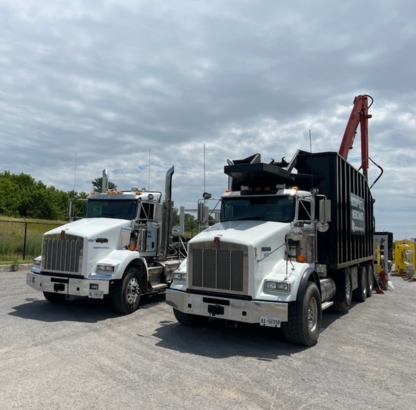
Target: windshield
[(119, 209), (264, 208)]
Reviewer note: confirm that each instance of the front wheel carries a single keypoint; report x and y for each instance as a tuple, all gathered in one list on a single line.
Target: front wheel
[(127, 291), (54, 297), (189, 319), (305, 318)]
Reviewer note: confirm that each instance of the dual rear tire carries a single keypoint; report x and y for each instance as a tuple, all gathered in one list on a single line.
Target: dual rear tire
[(343, 297), (345, 294), (370, 280), (360, 294)]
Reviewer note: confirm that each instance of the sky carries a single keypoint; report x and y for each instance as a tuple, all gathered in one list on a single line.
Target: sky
[(139, 86)]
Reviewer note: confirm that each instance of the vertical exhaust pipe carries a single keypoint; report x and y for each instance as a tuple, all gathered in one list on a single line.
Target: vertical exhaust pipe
[(168, 184), (104, 185), (167, 217), (230, 179)]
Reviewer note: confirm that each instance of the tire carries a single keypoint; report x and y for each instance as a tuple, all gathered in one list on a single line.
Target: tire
[(54, 297), (128, 291), (190, 320), (370, 280), (346, 291), (360, 293), (305, 318)]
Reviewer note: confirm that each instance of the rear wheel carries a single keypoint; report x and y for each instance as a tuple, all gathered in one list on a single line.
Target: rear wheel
[(360, 293), (54, 297), (190, 320), (305, 318), (345, 290), (370, 280), (127, 291)]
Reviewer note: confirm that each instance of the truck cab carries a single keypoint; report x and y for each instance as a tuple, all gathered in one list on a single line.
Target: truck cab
[(121, 249), (277, 257)]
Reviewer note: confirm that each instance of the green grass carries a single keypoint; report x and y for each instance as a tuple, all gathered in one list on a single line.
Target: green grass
[(12, 238)]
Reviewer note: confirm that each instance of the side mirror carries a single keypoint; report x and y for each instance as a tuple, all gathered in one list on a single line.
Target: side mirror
[(325, 210)]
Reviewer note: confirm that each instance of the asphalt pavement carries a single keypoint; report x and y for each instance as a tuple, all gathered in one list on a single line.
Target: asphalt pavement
[(83, 355)]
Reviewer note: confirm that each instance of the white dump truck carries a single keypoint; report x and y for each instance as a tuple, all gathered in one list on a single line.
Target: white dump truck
[(121, 249), (293, 239)]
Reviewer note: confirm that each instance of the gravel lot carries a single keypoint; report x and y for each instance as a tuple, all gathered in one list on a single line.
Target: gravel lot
[(83, 355)]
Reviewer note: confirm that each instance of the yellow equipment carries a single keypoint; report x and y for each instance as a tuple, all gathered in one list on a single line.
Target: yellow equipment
[(404, 257)]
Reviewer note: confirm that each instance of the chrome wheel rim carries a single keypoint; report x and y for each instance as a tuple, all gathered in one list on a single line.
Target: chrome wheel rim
[(312, 314), (133, 290)]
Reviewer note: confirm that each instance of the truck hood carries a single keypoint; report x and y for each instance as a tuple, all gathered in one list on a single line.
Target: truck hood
[(248, 233), (90, 227)]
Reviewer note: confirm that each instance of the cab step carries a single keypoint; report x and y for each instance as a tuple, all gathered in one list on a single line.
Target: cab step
[(326, 305), (159, 288)]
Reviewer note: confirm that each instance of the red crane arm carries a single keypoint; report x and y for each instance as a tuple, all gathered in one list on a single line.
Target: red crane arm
[(359, 115)]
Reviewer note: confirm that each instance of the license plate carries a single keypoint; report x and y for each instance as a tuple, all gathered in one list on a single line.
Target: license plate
[(270, 321), (96, 294)]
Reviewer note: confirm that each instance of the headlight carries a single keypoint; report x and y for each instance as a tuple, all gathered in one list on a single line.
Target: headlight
[(179, 275), (105, 268), (279, 286), (37, 262)]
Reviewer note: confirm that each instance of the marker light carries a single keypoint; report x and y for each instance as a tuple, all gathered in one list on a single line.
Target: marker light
[(301, 258)]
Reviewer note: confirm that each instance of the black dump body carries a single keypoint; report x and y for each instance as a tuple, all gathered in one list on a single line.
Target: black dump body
[(349, 239)]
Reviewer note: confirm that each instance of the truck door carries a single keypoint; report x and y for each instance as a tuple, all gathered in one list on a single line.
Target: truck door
[(305, 218)]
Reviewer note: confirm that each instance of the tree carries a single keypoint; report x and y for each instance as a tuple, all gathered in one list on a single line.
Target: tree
[(23, 196), (98, 184), (10, 197), (191, 225)]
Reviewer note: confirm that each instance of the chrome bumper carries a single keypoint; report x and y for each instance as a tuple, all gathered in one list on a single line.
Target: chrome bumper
[(68, 286), (248, 311)]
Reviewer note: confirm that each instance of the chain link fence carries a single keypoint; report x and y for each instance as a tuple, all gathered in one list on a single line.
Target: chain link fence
[(22, 240)]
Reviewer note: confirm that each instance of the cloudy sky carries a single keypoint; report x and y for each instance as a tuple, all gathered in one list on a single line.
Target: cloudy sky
[(121, 84)]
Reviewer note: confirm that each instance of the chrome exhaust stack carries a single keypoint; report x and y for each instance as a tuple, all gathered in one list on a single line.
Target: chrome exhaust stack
[(104, 184), (167, 217)]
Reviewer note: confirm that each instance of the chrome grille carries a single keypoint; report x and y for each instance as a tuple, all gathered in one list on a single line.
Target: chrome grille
[(222, 270), (62, 255)]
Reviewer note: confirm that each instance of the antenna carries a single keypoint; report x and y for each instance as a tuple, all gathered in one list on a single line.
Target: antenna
[(310, 145), (148, 178), (75, 171), (310, 140), (204, 173)]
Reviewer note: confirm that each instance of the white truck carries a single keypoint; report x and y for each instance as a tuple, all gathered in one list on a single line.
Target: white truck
[(293, 239), (121, 249)]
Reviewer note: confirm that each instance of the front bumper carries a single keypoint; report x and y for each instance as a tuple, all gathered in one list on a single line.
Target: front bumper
[(68, 286), (249, 311)]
